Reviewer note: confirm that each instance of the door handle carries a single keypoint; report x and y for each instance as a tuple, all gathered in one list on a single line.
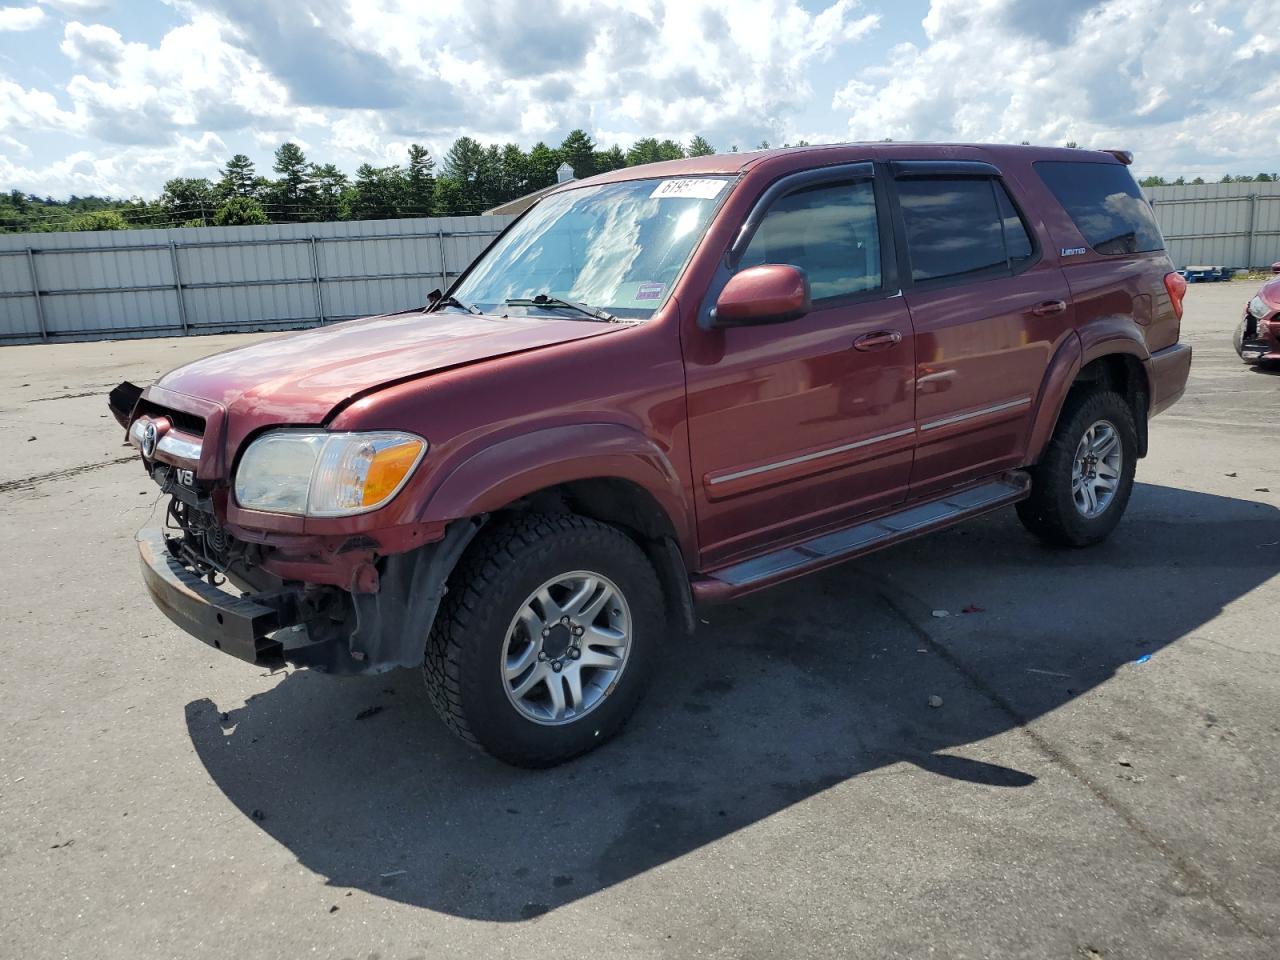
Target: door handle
[(1048, 308), (880, 340)]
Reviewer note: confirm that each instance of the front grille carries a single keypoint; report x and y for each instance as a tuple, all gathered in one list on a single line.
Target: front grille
[(186, 422)]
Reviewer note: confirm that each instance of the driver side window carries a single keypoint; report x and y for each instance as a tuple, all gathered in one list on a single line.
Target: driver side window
[(829, 231)]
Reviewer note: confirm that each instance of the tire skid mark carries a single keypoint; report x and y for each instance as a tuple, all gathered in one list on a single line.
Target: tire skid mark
[(26, 483)]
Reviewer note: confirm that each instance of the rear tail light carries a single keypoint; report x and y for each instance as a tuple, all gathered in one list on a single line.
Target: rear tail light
[(1176, 284)]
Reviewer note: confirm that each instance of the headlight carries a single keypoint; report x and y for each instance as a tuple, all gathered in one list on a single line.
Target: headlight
[(320, 474), (1258, 307)]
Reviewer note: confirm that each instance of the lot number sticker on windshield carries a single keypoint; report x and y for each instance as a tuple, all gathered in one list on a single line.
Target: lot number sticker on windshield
[(698, 189)]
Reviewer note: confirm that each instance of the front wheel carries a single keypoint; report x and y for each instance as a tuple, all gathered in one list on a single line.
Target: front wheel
[(546, 640), (1081, 486)]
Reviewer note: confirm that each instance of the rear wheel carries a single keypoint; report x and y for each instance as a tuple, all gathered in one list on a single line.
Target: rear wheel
[(545, 643), (1081, 486)]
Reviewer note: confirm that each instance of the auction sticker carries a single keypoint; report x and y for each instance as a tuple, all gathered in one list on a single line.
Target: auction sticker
[(650, 291), (697, 188)]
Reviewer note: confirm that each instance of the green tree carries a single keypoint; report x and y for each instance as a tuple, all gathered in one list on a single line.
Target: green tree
[(670, 150), (1227, 178), (238, 178), (1071, 145), (542, 166), (514, 173), (240, 211), (644, 150), (448, 201), (289, 193), (324, 190), (1152, 182), (378, 193), (1264, 178), (579, 151), (611, 159), (464, 164), (99, 220), (1198, 180), (189, 198), (699, 147), (420, 181)]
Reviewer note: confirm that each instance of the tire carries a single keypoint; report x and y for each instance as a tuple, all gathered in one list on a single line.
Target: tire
[(478, 636), (1053, 512)]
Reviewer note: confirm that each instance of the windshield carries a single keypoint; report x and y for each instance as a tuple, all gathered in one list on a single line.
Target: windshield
[(617, 246)]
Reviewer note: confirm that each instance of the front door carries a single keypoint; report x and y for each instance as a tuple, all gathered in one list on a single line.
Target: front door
[(802, 425)]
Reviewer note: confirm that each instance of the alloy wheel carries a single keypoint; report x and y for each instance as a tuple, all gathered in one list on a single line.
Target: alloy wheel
[(566, 647)]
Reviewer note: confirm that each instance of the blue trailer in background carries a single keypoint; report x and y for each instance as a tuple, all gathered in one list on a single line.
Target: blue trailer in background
[(1204, 274)]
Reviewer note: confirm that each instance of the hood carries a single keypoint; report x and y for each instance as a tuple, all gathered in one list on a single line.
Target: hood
[(301, 377), (1270, 293)]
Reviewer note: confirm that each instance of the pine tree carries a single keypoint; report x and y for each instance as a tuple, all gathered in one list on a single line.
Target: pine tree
[(420, 182), (579, 152), (699, 147), (291, 165), (238, 178)]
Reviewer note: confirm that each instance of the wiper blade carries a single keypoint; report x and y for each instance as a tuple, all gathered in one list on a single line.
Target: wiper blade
[(452, 301), (542, 300)]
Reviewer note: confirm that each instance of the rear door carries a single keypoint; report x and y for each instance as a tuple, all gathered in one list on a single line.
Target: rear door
[(800, 425), (988, 312)]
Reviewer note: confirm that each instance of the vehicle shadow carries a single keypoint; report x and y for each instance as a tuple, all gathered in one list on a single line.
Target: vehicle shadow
[(777, 698)]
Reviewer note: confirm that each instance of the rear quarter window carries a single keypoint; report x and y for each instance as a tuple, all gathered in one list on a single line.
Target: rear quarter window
[(1105, 203)]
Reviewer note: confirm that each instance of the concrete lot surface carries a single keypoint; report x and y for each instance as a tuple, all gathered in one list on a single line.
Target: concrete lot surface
[(785, 791)]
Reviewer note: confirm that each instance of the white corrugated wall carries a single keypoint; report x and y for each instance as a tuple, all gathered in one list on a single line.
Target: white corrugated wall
[(1220, 224), (147, 283)]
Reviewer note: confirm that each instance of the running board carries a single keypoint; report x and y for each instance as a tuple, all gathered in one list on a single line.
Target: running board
[(830, 548)]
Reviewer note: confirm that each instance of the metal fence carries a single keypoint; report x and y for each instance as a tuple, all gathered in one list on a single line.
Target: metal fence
[(1220, 224), (148, 283)]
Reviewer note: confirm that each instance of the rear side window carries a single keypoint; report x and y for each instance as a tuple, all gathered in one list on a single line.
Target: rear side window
[(829, 232), (961, 226), (1105, 204)]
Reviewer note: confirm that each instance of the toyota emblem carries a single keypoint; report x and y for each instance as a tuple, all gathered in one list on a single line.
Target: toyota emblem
[(150, 435)]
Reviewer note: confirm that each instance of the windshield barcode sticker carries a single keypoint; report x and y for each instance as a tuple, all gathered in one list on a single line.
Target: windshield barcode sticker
[(689, 187)]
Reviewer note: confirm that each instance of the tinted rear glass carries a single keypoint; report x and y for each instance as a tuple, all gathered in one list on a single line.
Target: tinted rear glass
[(1105, 204), (961, 226)]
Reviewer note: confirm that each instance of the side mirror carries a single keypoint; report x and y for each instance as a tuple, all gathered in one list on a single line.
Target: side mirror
[(1275, 268), (769, 293)]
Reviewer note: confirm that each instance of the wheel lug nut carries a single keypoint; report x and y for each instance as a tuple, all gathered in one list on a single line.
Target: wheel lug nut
[(556, 666), (574, 653), (564, 621), (578, 631)]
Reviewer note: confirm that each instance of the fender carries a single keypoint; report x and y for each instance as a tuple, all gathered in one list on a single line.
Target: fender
[(513, 468), (1112, 334), (1103, 337)]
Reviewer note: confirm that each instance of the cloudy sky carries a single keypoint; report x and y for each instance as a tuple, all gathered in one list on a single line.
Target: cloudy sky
[(116, 96)]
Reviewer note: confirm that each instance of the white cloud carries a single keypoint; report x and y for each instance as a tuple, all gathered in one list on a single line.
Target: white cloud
[(1105, 73), (119, 173), (357, 80), (21, 18)]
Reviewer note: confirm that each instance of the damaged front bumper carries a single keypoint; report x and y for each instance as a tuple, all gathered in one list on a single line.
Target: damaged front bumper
[(1258, 338), (307, 624), (240, 626)]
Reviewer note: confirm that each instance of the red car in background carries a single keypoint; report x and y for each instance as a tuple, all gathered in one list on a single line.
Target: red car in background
[(1258, 336)]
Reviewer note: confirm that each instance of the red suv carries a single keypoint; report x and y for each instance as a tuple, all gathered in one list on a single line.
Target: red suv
[(661, 386)]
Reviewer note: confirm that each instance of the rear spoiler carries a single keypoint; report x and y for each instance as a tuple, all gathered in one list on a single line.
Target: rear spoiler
[(1124, 156), (122, 400)]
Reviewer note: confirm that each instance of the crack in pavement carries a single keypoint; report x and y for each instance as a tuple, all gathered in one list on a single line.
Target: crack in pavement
[(1188, 870), (26, 483)]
